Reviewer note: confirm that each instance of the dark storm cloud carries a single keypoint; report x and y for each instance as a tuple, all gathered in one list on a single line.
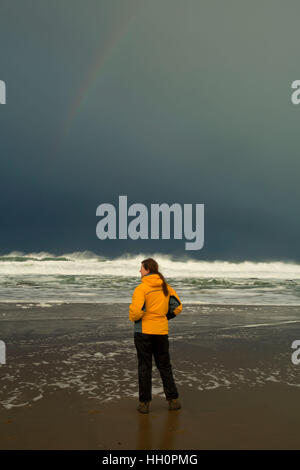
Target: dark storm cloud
[(163, 101)]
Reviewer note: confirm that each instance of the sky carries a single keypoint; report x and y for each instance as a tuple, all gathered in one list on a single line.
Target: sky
[(163, 101)]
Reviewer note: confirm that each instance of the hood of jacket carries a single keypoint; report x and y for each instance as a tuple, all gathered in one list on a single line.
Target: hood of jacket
[(152, 280)]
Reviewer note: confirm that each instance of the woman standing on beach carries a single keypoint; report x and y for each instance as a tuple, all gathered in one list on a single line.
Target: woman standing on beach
[(150, 313)]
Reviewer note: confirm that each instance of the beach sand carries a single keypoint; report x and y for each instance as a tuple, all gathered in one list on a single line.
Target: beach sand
[(70, 379), (246, 419)]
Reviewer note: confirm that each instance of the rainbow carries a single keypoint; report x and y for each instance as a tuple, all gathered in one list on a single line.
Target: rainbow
[(91, 77)]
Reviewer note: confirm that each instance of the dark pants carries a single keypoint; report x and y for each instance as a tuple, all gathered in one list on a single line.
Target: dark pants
[(158, 345)]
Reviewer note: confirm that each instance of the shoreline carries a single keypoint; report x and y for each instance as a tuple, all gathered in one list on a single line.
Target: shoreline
[(39, 303)]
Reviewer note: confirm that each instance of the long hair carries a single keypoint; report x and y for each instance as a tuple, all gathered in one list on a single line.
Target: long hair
[(151, 265)]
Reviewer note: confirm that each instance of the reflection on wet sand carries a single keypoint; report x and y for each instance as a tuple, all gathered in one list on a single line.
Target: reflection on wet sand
[(169, 425)]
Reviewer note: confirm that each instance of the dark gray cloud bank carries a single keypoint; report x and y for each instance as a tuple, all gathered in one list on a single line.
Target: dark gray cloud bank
[(162, 101)]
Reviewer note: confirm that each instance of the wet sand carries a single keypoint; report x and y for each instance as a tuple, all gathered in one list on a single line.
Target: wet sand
[(266, 418), (70, 380)]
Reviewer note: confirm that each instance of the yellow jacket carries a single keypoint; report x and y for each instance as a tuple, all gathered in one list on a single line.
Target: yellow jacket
[(149, 306)]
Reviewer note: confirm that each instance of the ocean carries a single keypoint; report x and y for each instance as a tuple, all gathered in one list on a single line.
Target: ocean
[(86, 277)]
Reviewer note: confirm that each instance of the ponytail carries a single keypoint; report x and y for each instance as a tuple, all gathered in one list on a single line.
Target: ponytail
[(151, 265)]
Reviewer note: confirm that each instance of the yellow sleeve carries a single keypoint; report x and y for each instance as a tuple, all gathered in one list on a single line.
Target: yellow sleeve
[(138, 300), (178, 309)]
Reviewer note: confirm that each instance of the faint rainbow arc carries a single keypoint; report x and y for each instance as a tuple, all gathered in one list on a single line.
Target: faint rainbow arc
[(92, 75)]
